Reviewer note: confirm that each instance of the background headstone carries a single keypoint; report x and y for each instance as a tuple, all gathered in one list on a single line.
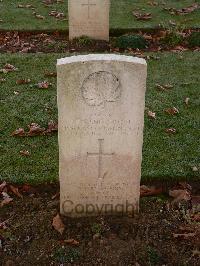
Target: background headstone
[(101, 115), (89, 18)]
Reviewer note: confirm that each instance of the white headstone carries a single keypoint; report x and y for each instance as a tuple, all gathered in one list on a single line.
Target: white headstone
[(89, 18), (101, 115)]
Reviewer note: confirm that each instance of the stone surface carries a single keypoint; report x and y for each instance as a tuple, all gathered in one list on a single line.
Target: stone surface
[(101, 115), (89, 18)]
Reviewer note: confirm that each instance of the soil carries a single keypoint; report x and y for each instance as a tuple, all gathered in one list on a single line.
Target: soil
[(57, 42), (149, 238)]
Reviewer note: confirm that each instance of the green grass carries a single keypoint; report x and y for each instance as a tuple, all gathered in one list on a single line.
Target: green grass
[(164, 157), (121, 17)]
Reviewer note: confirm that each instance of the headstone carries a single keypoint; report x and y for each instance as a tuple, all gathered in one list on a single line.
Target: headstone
[(89, 18), (101, 115)]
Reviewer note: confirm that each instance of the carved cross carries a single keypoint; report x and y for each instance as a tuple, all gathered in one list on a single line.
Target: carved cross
[(100, 155), (88, 6)]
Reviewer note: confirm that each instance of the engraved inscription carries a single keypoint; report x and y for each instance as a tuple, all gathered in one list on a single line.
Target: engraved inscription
[(94, 127), (100, 88), (100, 155)]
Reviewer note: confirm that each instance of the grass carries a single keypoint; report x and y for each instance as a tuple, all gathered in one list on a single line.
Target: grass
[(121, 17), (165, 157)]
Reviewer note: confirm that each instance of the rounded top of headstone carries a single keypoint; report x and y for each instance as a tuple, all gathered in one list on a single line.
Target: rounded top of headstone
[(100, 57)]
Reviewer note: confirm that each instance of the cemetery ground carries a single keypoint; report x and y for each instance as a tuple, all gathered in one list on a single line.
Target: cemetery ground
[(165, 232), (51, 15)]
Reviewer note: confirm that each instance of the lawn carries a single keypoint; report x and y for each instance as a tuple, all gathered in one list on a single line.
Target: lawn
[(165, 156), (121, 17)]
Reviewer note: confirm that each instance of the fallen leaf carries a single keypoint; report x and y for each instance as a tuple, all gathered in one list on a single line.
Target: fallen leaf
[(195, 169), (50, 74), (25, 153), (10, 67), (3, 185), (151, 114), (19, 132), (180, 195), (58, 224), (15, 190), (25, 6), (52, 126), (39, 16), (149, 191), (6, 199), (164, 87), (187, 10), (55, 196), (170, 130), (56, 14), (172, 111), (43, 85), (72, 242), (142, 16), (35, 130), (187, 101), (184, 236), (23, 81)]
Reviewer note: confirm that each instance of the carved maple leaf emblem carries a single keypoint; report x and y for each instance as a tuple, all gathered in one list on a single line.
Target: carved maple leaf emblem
[(101, 87)]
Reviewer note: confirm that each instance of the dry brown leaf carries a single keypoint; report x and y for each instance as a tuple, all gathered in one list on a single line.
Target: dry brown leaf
[(52, 127), (151, 114), (43, 85), (15, 190), (23, 81), (172, 111), (195, 169), (187, 101), (142, 16), (55, 196), (72, 242), (152, 3), (3, 185), (8, 68), (56, 14), (187, 10), (39, 16), (170, 130), (184, 236), (50, 74), (25, 153), (58, 224), (19, 132), (25, 6), (35, 130), (164, 87), (6, 199), (180, 195), (149, 191)]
